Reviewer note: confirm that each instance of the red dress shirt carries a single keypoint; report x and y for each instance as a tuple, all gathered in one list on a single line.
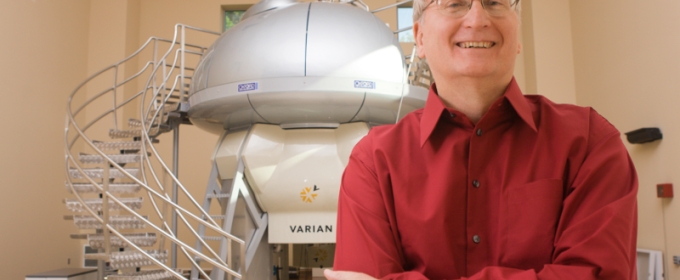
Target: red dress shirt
[(534, 190)]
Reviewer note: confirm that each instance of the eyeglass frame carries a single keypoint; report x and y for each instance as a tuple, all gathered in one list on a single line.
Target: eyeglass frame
[(512, 5)]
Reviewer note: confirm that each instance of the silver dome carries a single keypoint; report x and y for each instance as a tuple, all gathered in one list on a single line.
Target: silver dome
[(303, 65)]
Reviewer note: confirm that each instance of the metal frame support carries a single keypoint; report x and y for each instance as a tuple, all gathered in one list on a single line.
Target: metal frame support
[(175, 170), (230, 191)]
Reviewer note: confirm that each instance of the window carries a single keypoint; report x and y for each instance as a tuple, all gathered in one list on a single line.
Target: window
[(405, 19), (232, 17)]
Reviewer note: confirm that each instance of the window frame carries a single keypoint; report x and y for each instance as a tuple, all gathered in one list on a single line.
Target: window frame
[(232, 8), (399, 36)]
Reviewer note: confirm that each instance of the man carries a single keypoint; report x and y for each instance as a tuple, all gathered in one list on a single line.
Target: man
[(484, 182)]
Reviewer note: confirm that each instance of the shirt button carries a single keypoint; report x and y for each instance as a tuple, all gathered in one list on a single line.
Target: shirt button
[(479, 132), (475, 183), (476, 239), (452, 115)]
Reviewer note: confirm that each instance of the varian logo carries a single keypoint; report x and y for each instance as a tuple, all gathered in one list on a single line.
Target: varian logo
[(308, 194)]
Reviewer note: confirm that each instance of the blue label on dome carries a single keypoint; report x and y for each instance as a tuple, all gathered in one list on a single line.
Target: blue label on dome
[(364, 84), (247, 87)]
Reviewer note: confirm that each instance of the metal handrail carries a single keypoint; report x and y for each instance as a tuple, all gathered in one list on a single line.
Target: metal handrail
[(149, 141)]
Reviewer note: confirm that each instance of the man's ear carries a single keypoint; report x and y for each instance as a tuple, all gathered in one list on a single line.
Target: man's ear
[(418, 36), (519, 48)]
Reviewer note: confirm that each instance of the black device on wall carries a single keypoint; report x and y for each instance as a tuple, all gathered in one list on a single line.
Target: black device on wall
[(644, 135)]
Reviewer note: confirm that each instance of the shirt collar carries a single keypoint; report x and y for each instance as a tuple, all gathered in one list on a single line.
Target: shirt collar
[(434, 107)]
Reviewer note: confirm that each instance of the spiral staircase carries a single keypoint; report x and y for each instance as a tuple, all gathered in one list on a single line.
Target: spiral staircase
[(113, 165)]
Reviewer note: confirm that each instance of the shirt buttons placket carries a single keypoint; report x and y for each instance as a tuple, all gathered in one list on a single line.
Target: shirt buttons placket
[(476, 239)]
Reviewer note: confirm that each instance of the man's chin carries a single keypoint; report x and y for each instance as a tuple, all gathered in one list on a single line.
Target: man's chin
[(471, 72)]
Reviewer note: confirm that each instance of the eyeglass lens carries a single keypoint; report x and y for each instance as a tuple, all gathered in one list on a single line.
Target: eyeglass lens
[(459, 8)]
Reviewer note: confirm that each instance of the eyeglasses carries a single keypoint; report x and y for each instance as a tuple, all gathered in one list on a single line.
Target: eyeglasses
[(459, 8)]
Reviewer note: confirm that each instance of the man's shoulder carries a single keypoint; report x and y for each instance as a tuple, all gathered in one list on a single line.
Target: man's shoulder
[(407, 127), (548, 108), (570, 118), (388, 136)]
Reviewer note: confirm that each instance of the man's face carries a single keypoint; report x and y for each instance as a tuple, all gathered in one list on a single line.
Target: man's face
[(475, 45)]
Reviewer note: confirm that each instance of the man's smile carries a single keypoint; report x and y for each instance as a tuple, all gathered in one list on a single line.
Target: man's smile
[(476, 45)]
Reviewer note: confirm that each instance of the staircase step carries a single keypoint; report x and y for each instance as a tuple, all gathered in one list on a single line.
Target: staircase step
[(117, 158), (146, 275), (166, 109), (97, 172), (96, 204), (218, 195), (119, 222), (136, 259), (131, 133), (171, 103), (173, 96), (134, 123), (137, 124), (96, 241), (96, 256), (129, 145), (124, 133), (177, 66), (212, 238), (113, 188)]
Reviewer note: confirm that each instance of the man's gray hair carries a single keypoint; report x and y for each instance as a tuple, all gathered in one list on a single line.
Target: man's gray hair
[(420, 5), (418, 8)]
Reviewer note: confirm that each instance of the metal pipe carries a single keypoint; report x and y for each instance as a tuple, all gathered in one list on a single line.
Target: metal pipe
[(105, 206), (174, 41), (362, 4), (110, 89), (183, 62), (115, 93), (403, 29), (97, 119), (175, 169)]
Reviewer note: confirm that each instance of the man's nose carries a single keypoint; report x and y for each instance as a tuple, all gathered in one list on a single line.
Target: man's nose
[(476, 17)]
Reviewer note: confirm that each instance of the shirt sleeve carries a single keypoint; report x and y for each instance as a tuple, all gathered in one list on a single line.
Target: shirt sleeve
[(366, 241), (597, 231)]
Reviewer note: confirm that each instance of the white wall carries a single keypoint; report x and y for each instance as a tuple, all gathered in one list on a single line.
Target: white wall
[(628, 68), (548, 55), (43, 57)]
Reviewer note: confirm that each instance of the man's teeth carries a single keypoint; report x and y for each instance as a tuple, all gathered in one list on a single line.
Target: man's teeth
[(481, 45)]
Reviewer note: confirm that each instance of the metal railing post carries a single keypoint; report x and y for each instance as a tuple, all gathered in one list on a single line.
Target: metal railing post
[(175, 170)]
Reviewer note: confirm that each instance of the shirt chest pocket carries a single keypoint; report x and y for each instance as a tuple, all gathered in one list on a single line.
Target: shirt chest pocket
[(529, 217)]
